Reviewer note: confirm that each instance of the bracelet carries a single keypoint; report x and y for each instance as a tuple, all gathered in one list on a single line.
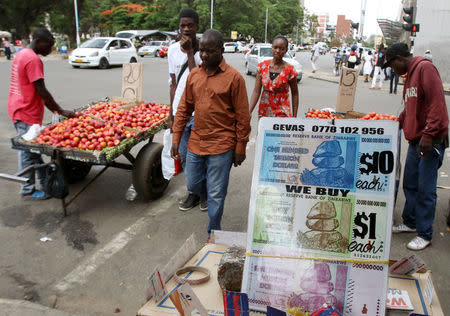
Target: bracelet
[(180, 280)]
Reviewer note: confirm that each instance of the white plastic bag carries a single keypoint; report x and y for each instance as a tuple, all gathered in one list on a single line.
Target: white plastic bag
[(167, 162), (32, 132)]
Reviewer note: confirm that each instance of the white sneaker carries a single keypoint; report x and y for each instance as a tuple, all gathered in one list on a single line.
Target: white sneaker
[(418, 243), (402, 228)]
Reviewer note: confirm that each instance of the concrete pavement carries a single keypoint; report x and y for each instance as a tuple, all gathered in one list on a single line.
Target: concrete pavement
[(122, 242), (26, 308)]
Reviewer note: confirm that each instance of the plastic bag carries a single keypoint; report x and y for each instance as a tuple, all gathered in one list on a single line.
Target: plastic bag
[(55, 185), (170, 167), (32, 132)]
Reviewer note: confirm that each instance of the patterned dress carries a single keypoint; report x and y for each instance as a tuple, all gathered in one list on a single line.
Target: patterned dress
[(275, 95)]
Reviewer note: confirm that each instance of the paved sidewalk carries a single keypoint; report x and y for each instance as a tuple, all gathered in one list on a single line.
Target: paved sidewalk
[(53, 56), (25, 308), (328, 76)]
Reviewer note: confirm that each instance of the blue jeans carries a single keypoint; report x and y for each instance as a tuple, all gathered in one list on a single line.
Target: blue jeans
[(419, 186), (215, 169), (27, 158), (182, 148)]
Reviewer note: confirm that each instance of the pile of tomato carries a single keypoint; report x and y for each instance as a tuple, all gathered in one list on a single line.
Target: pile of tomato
[(320, 114), (140, 116), (377, 116), (84, 133), (104, 124), (331, 115)]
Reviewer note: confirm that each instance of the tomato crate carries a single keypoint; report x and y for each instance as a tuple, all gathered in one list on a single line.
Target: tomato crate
[(76, 160)]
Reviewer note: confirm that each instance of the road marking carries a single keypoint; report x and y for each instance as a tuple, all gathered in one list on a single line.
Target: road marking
[(81, 273)]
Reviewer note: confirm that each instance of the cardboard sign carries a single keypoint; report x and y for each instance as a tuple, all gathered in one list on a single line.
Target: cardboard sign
[(320, 215), (235, 304), (132, 81), (186, 302), (398, 299), (407, 265), (157, 285), (347, 89)]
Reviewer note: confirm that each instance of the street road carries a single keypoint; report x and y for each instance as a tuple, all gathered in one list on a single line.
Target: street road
[(102, 253)]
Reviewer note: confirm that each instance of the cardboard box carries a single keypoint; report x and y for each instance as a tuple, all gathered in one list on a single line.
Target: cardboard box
[(209, 293), (419, 286), (421, 291)]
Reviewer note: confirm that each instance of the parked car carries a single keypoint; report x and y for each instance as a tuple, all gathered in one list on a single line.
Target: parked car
[(102, 52), (333, 50), (262, 52), (151, 48), (229, 47)]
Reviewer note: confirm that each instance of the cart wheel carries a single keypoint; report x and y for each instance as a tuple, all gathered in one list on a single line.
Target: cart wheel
[(148, 179), (74, 170)]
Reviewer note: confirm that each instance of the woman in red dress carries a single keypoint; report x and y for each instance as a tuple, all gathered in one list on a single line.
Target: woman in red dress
[(275, 77)]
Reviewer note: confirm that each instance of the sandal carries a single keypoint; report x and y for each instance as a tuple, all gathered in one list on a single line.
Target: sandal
[(37, 195)]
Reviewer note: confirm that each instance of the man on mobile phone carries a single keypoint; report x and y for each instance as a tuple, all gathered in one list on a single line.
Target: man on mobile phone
[(183, 56)]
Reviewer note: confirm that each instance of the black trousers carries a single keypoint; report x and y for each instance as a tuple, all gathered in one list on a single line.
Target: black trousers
[(393, 77)]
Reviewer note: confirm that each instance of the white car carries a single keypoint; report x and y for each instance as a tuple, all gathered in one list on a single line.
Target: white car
[(229, 47), (262, 52), (333, 50), (102, 52), (151, 48)]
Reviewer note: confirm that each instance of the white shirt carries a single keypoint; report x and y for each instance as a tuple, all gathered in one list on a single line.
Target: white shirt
[(316, 50), (176, 61)]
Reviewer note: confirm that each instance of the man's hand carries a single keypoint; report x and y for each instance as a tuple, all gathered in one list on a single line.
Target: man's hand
[(238, 159), (186, 43), (174, 151), (169, 122), (424, 147), (68, 114)]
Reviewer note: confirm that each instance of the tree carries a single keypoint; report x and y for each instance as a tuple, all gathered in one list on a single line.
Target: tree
[(311, 22), (335, 42), (20, 16)]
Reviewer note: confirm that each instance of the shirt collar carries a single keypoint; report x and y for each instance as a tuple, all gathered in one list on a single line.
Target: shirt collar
[(222, 67)]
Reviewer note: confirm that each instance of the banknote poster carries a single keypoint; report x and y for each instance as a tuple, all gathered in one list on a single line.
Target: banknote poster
[(322, 191)]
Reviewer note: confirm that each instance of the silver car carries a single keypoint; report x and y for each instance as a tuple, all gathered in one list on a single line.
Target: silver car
[(262, 52), (151, 48)]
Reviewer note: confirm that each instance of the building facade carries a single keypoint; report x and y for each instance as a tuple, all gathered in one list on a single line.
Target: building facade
[(343, 26), (322, 20), (434, 19)]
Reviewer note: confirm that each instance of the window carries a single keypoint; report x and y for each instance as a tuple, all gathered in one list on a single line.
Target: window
[(125, 44), (266, 52), (95, 43), (114, 44), (254, 51)]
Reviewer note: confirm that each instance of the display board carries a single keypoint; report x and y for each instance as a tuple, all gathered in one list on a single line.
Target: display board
[(320, 214)]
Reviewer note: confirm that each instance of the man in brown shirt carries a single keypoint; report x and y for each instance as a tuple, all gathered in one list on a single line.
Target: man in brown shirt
[(217, 94)]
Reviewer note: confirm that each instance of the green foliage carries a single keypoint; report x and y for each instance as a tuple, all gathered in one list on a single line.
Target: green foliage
[(247, 17), (20, 16)]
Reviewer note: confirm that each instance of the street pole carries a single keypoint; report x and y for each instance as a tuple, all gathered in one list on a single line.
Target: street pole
[(267, 16), (76, 22), (212, 12)]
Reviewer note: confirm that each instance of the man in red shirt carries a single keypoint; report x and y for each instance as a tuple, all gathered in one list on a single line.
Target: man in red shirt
[(425, 124), (27, 97), (217, 93)]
